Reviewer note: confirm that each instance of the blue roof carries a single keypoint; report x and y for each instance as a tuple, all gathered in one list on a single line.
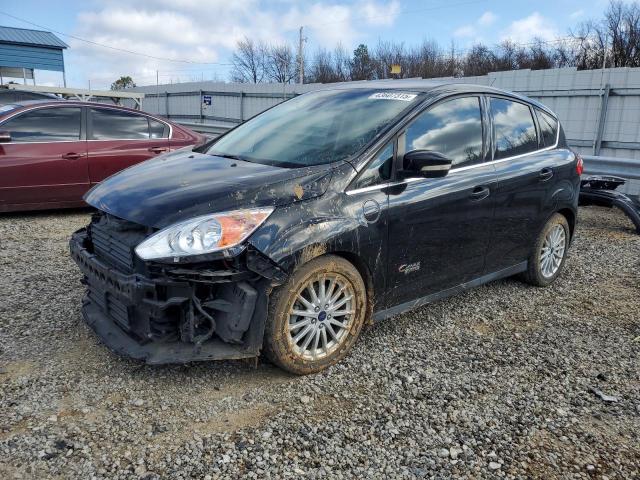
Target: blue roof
[(36, 38)]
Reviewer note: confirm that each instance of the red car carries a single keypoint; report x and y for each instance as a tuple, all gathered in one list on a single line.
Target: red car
[(52, 152)]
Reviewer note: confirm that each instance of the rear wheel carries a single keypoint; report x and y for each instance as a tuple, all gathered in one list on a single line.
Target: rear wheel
[(316, 317), (549, 252)]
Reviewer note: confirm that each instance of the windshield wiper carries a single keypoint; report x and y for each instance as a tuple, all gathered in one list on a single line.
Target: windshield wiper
[(229, 156)]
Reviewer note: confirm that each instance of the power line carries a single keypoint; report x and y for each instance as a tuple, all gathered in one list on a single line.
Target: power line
[(110, 47)]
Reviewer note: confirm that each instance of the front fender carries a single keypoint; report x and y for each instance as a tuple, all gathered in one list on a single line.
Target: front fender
[(300, 232)]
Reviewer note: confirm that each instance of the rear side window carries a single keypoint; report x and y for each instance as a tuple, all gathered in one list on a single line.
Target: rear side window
[(548, 128), (453, 128), (117, 125), (158, 129), (45, 125), (378, 170), (515, 132)]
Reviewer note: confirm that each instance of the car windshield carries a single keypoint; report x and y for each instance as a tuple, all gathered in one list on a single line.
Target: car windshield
[(315, 128)]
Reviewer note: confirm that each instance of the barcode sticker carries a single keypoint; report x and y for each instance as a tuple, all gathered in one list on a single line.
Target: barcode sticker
[(403, 97)]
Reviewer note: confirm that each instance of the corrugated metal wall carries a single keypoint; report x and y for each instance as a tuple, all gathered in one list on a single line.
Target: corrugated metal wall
[(600, 110)]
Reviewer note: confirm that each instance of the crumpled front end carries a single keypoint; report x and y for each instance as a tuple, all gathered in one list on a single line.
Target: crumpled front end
[(163, 313)]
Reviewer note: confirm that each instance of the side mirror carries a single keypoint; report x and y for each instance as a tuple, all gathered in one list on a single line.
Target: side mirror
[(5, 137), (426, 163)]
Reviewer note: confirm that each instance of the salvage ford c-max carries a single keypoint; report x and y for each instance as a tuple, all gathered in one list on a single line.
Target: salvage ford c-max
[(341, 206)]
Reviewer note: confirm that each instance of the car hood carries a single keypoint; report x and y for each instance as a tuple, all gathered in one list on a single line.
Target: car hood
[(185, 184)]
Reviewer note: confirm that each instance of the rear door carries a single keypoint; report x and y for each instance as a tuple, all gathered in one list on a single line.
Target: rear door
[(46, 159), (118, 139), (439, 228), (527, 177)]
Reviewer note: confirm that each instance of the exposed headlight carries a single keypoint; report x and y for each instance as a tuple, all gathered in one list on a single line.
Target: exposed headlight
[(205, 234)]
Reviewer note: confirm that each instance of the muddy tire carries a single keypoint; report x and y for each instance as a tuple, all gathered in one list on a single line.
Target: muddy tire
[(316, 316), (549, 252)]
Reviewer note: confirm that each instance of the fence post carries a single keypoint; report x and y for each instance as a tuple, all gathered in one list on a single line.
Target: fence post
[(200, 100), (597, 143), (241, 106), (166, 104)]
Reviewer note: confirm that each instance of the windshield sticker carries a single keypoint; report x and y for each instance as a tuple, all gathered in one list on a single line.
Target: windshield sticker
[(403, 97)]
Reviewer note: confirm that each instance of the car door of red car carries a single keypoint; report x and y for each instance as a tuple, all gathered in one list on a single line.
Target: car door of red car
[(45, 160), (119, 138)]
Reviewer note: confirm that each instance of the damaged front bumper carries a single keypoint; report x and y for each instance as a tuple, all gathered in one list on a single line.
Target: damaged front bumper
[(172, 315)]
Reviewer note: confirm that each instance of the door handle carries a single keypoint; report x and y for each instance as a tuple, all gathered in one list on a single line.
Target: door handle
[(157, 149), (72, 156), (480, 193), (546, 174)]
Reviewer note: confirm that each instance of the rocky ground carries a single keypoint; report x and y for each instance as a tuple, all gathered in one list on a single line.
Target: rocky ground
[(502, 381)]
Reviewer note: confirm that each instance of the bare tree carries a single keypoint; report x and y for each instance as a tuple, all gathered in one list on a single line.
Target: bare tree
[(341, 63), (248, 61), (618, 33), (480, 60), (281, 64)]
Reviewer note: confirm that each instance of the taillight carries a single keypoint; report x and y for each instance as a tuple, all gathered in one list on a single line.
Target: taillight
[(579, 164)]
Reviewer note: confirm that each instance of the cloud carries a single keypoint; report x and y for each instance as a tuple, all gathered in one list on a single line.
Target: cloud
[(528, 28), (577, 14), (471, 30), (465, 31), (487, 19), (379, 14), (196, 31)]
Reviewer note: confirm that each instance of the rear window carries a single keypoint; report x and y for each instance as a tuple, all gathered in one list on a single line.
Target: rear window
[(548, 128), (45, 125), (515, 132), (111, 124)]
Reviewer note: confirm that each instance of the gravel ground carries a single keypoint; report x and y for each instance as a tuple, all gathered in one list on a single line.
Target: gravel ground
[(496, 382)]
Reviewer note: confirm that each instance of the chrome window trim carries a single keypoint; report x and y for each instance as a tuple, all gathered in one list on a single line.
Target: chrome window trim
[(40, 107), (454, 170), (109, 107)]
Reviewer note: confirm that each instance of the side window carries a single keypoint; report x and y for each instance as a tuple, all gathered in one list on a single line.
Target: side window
[(548, 128), (378, 170), (514, 128), (111, 124), (453, 128), (45, 125), (158, 129)]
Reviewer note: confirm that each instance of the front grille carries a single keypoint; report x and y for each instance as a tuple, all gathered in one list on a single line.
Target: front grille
[(114, 241), (110, 305)]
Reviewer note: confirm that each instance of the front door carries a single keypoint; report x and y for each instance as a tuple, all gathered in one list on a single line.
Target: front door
[(439, 228), (46, 160)]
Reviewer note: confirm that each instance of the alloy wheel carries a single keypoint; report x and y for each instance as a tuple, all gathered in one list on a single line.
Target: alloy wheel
[(321, 316), (553, 249)]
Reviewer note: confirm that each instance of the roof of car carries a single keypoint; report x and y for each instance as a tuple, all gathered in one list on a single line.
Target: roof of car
[(67, 103), (433, 86)]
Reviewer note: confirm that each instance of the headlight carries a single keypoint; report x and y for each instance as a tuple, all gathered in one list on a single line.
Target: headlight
[(205, 234)]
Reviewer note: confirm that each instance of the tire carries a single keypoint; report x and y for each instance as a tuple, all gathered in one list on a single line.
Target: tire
[(285, 345), (536, 273)]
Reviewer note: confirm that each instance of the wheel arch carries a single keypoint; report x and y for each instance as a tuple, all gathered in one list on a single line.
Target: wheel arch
[(570, 215)]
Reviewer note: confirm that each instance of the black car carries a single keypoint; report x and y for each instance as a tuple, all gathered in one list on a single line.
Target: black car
[(341, 206)]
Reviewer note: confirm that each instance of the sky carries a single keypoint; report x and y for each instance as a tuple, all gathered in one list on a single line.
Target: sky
[(187, 40)]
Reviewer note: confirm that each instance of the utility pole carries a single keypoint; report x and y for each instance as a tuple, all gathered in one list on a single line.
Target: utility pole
[(301, 56)]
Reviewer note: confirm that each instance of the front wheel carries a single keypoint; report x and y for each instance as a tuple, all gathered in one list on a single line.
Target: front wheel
[(549, 252), (316, 316)]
